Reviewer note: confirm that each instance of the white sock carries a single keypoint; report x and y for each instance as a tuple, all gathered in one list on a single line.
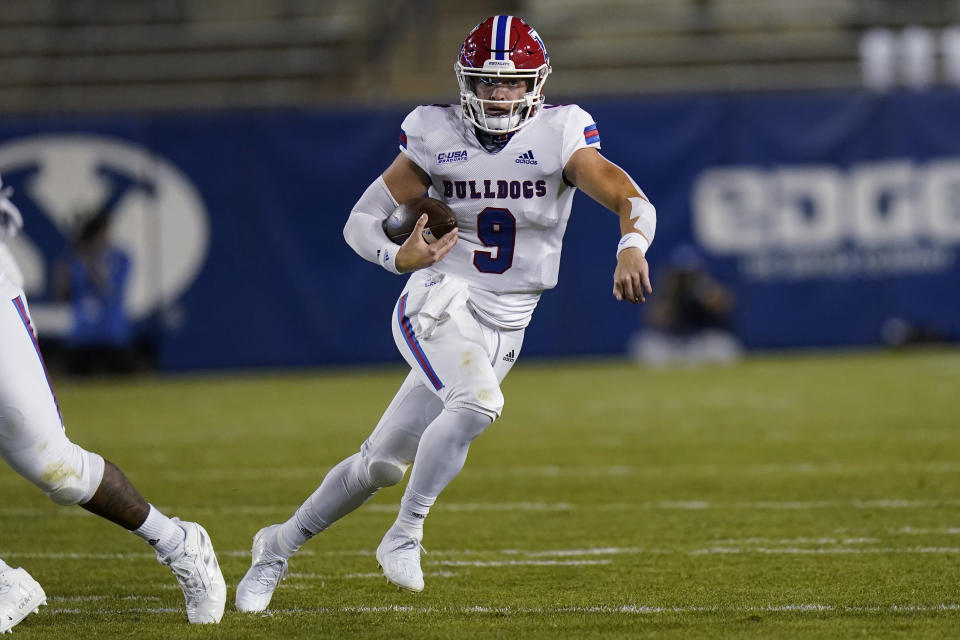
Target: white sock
[(3, 566), (413, 511), (161, 533), (291, 536)]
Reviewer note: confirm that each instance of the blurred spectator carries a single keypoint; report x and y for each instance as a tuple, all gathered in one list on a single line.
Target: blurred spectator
[(688, 319), (917, 57), (907, 58), (92, 277), (950, 47), (899, 333), (877, 59)]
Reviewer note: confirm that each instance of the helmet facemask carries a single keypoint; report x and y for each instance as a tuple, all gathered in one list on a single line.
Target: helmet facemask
[(518, 113)]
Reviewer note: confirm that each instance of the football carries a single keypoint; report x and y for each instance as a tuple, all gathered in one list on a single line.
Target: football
[(441, 220)]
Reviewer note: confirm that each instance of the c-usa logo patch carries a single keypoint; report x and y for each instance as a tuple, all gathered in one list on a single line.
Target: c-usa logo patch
[(451, 156)]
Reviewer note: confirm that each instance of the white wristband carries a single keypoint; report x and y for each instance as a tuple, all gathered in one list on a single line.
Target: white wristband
[(386, 256), (633, 240)]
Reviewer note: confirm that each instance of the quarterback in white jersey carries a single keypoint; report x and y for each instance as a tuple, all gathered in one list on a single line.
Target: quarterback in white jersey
[(508, 166), (512, 206), (34, 443)]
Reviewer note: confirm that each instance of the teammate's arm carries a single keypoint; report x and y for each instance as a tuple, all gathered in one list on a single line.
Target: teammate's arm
[(401, 181), (609, 185)]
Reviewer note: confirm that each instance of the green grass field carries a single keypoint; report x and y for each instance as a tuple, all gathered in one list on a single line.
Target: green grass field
[(787, 496)]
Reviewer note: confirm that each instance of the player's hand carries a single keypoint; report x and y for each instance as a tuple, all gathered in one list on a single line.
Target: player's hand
[(415, 253), (631, 279)]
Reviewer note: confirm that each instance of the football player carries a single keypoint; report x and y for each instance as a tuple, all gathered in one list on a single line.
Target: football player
[(508, 165), (33, 442)]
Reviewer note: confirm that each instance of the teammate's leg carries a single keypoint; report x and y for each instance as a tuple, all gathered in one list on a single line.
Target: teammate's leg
[(34, 444)]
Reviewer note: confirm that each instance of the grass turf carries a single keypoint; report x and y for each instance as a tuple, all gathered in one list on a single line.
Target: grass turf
[(786, 496)]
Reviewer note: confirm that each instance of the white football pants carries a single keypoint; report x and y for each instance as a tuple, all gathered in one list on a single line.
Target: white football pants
[(32, 438), (457, 363), (457, 366)]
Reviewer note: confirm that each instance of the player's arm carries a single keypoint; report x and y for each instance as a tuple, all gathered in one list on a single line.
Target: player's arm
[(363, 231), (610, 185)]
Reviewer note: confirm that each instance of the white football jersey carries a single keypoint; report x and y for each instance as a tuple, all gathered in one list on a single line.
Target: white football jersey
[(512, 206)]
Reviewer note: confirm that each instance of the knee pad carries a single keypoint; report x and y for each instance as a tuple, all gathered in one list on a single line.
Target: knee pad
[(387, 455), (73, 479), (385, 473)]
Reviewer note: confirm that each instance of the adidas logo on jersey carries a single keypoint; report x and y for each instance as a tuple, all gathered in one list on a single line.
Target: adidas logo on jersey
[(526, 158), (510, 357)]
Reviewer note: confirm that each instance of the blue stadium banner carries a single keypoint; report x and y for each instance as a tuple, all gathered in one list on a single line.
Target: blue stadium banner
[(828, 214)]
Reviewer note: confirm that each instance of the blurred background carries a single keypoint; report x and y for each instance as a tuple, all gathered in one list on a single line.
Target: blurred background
[(185, 167)]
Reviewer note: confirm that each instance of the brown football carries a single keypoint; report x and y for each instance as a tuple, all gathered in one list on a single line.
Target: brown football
[(441, 220)]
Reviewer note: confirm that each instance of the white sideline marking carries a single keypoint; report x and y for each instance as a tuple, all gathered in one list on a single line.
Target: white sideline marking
[(597, 609)]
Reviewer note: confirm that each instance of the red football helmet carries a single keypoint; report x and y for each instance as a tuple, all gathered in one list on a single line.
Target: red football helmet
[(502, 47)]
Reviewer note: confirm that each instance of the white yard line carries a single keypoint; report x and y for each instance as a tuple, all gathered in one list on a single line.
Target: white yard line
[(315, 474), (467, 507), (779, 505), (801, 468), (596, 551), (746, 546), (257, 510), (941, 531), (792, 541), (520, 563), (602, 609), (799, 551)]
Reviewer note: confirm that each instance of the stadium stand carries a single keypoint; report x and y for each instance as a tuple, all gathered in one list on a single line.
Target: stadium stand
[(69, 55)]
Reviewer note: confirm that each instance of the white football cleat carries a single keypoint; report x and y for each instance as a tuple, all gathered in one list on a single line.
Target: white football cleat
[(195, 566), (399, 558), (264, 575), (20, 595)]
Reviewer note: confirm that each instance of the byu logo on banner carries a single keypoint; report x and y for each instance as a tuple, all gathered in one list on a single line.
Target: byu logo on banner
[(157, 216)]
